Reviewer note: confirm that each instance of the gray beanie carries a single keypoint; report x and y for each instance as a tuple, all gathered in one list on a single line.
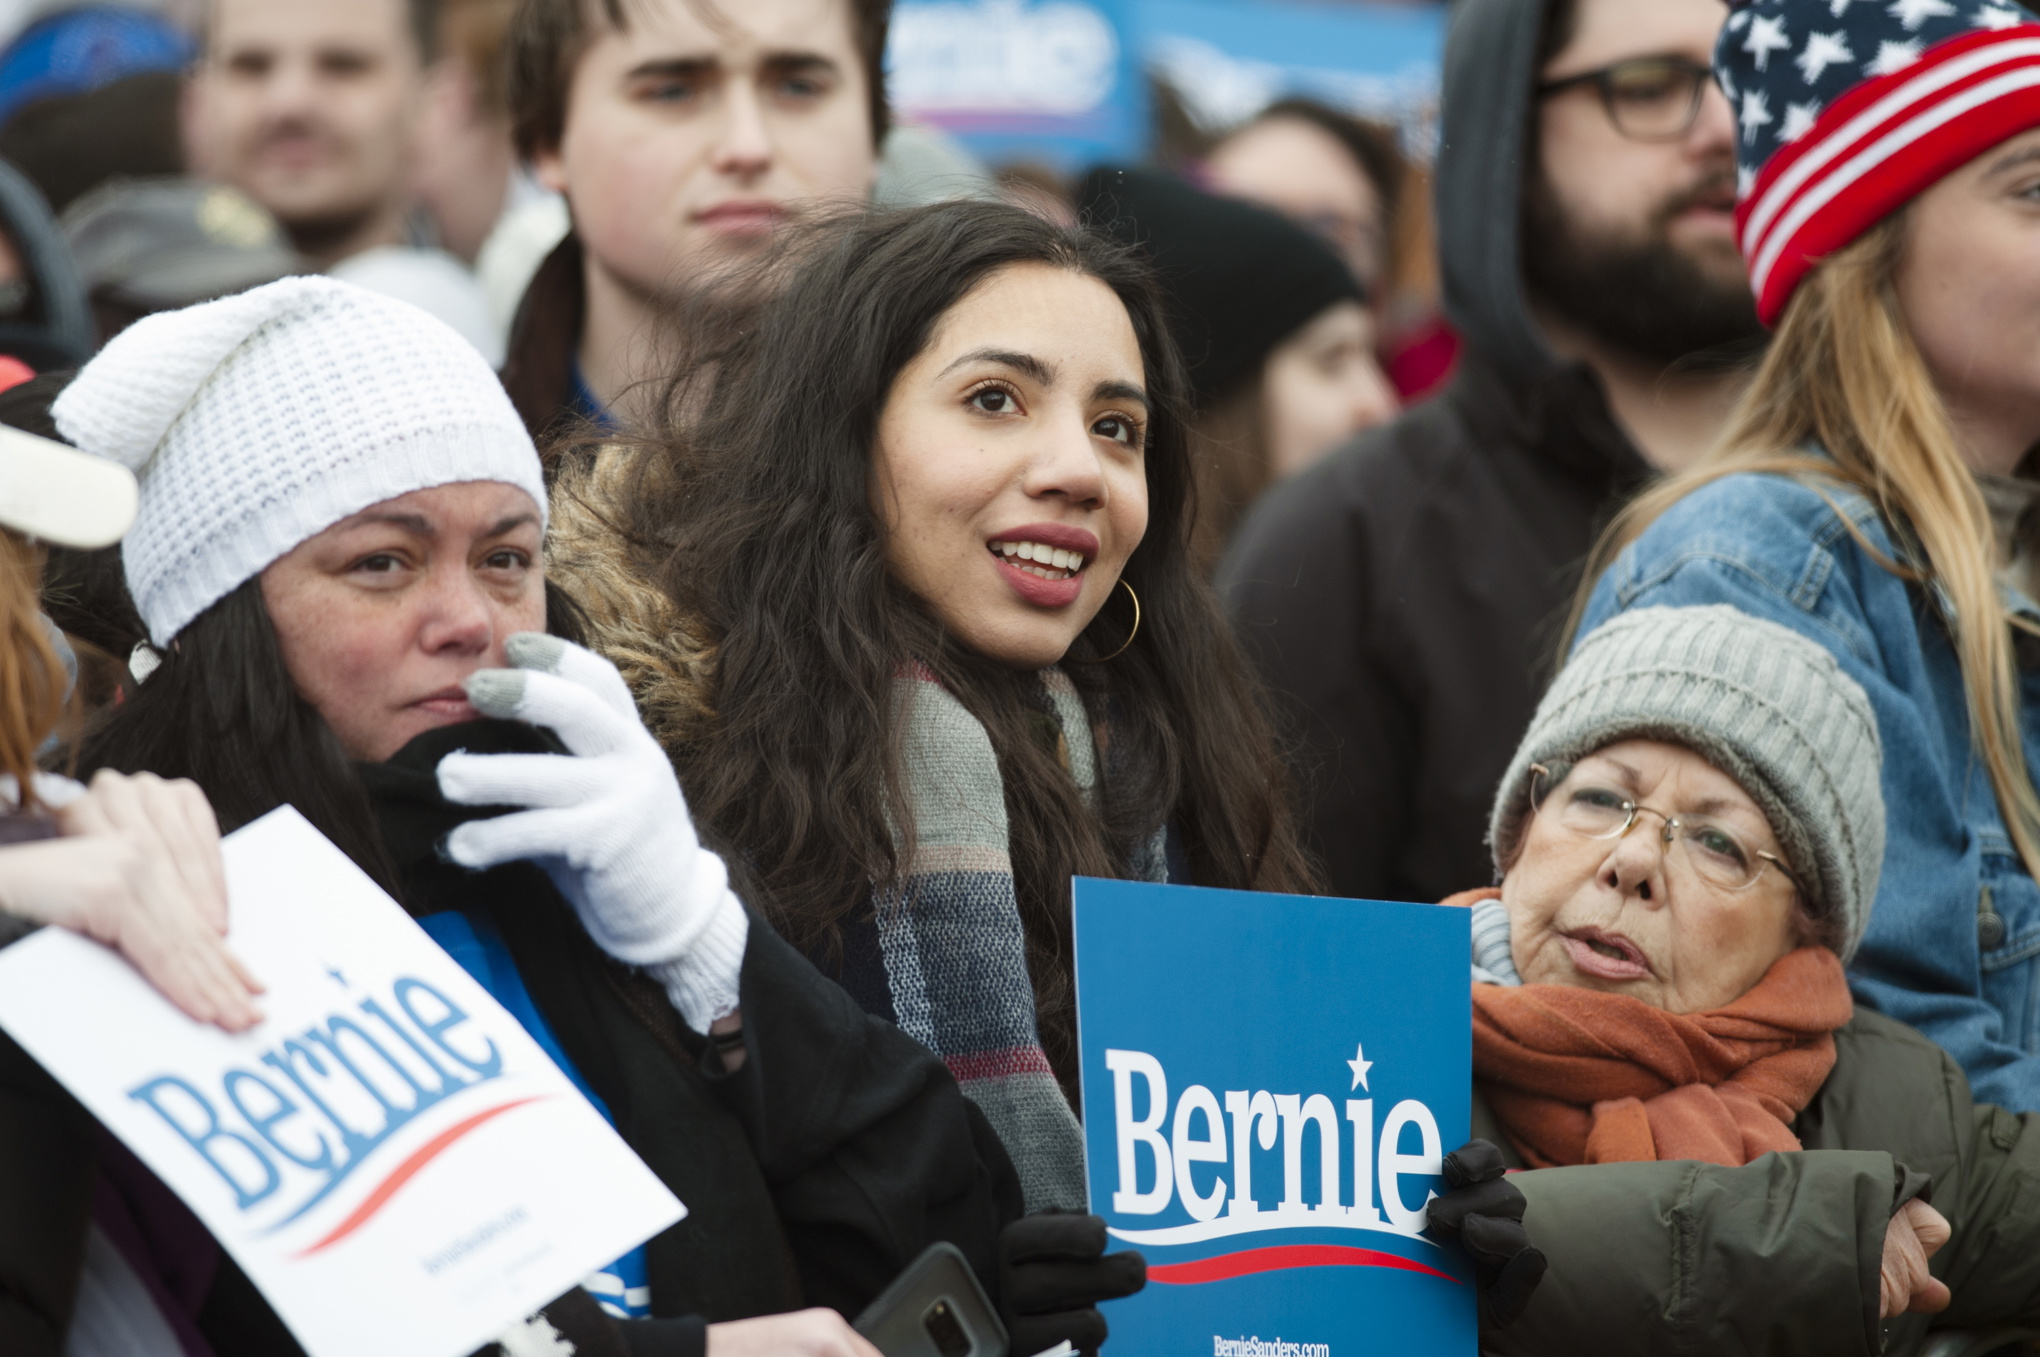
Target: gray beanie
[(1763, 704)]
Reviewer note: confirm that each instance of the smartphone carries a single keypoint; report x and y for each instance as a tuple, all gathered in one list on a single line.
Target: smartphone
[(934, 1309)]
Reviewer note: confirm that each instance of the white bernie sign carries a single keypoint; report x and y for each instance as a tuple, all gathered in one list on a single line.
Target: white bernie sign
[(388, 1155)]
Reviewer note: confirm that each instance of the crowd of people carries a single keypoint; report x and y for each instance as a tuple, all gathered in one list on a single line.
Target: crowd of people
[(723, 563)]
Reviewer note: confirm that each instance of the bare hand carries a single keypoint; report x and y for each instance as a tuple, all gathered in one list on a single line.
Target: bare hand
[(138, 868), (1915, 1232), (805, 1333)]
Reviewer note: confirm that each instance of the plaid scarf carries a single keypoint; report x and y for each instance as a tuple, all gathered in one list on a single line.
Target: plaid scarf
[(944, 954)]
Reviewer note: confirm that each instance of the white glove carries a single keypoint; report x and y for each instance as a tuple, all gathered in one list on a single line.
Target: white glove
[(608, 823)]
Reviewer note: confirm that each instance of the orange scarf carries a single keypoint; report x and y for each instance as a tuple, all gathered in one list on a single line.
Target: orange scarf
[(1576, 1076)]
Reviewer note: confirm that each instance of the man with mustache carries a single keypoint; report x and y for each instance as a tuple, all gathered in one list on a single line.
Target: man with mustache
[(1405, 597), (311, 108), (680, 132)]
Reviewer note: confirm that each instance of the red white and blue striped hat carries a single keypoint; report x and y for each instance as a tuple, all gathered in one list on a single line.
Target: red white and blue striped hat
[(1846, 109)]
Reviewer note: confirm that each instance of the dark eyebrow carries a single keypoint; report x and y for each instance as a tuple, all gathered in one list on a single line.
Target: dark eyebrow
[(411, 523), (511, 523), (692, 67), (421, 526), (1019, 362), (794, 63), (1120, 391)]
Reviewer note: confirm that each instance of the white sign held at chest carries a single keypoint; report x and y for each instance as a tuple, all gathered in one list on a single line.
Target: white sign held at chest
[(388, 1155)]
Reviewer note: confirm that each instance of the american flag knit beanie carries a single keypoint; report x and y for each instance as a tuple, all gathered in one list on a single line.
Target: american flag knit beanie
[(1847, 109), (259, 420)]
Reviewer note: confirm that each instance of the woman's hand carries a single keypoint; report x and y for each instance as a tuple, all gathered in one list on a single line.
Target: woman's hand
[(1915, 1232), (138, 868), (608, 823), (1053, 1272), (805, 1333), (1483, 1211)]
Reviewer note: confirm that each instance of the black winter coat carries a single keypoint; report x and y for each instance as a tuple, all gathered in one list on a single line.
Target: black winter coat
[(812, 1175), (1404, 598)]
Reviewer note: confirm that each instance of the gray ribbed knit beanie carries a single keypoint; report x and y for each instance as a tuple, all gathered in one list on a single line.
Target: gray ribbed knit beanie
[(1762, 703)]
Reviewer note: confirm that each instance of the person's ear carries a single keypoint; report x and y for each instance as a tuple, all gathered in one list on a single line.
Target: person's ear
[(549, 167)]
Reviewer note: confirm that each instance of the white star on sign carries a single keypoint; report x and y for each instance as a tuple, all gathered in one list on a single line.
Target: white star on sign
[(1360, 1064), (1892, 56), (1995, 17), (1745, 180), (1839, 7), (1755, 113), (1767, 35), (1913, 13), (1737, 20), (1799, 120), (1822, 50)]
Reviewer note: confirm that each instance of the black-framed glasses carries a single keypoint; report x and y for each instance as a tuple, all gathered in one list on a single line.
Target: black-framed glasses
[(1647, 98), (1720, 855)]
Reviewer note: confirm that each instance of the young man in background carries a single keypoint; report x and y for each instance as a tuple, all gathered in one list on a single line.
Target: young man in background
[(680, 132), (1404, 597), (313, 109)]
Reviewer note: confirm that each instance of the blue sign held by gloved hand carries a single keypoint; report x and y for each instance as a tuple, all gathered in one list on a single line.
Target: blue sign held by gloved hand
[(1270, 1083)]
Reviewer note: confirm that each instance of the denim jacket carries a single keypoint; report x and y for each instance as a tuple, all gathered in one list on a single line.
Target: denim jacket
[(1953, 946)]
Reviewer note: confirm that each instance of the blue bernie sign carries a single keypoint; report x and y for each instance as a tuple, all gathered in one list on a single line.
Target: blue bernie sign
[(1055, 81), (1269, 1084)]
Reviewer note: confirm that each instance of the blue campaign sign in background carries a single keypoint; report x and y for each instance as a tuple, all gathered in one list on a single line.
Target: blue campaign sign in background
[(1061, 81), (1056, 81), (1269, 1083), (1229, 59)]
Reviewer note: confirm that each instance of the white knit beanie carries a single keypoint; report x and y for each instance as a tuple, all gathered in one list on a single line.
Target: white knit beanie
[(262, 419)]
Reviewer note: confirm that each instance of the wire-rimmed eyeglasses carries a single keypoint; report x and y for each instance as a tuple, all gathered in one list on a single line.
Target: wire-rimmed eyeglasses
[(1718, 854), (1647, 98)]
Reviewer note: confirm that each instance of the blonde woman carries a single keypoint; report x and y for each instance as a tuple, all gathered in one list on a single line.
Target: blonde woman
[(1869, 491)]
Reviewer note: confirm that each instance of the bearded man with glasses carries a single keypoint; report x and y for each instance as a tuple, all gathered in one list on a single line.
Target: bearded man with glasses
[(1405, 597)]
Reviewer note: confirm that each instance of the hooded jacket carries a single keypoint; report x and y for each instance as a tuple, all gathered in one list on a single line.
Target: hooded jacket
[(1404, 597)]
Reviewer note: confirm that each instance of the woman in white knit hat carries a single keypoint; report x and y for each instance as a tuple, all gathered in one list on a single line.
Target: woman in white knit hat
[(337, 557)]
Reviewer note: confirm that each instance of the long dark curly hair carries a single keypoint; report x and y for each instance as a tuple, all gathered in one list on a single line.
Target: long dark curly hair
[(751, 511)]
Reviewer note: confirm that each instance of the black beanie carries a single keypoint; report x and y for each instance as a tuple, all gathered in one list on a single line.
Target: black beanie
[(1240, 279)]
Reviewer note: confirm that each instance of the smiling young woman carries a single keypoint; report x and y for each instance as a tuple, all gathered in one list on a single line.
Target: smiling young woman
[(908, 597)]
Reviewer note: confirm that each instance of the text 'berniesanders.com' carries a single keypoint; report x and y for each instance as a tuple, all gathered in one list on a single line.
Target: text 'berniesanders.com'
[(1273, 1347)]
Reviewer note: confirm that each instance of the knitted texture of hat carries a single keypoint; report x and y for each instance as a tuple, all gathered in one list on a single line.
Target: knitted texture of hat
[(1762, 703), (262, 419), (1846, 109)]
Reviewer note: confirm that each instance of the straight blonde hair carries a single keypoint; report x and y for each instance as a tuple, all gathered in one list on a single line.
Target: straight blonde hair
[(1842, 373)]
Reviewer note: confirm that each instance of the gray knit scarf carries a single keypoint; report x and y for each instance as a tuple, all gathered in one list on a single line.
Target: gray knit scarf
[(950, 934)]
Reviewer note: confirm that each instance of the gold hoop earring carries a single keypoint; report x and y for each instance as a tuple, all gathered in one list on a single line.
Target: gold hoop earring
[(1129, 635)]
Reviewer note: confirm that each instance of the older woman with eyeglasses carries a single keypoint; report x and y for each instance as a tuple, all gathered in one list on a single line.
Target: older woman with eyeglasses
[(1707, 1147)]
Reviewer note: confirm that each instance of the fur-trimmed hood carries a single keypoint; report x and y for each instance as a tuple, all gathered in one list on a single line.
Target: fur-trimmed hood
[(663, 654)]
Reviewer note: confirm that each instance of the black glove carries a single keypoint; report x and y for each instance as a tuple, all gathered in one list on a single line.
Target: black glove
[(1484, 1213), (585, 1327), (1053, 1271)]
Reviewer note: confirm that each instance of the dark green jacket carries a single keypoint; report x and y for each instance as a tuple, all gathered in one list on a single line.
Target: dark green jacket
[(1781, 1256)]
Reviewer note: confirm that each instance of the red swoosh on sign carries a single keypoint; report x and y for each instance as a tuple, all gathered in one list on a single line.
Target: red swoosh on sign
[(404, 1172), (1250, 1261)]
